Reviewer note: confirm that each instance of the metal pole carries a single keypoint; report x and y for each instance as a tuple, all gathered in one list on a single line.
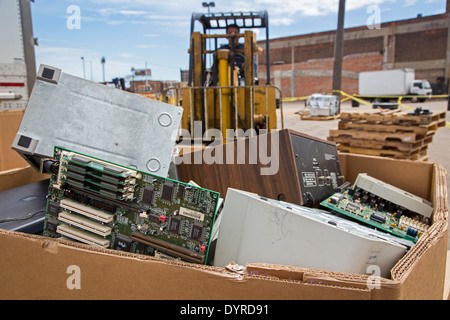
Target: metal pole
[(84, 69), (103, 61), (146, 77), (338, 53)]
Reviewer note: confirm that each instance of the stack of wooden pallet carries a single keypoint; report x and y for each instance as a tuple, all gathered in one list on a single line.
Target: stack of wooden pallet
[(394, 134)]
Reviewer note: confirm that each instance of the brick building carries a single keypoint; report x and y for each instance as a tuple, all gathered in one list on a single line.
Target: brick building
[(153, 86), (303, 64)]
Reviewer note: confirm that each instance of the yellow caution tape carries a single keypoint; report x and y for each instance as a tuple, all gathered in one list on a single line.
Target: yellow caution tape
[(403, 105), (360, 98), (352, 97)]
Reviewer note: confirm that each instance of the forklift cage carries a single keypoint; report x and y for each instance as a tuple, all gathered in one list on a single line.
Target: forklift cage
[(221, 20)]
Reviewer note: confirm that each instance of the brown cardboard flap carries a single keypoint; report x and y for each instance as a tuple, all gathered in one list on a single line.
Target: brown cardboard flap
[(35, 267), (18, 177), (9, 125), (399, 173), (447, 278), (440, 193)]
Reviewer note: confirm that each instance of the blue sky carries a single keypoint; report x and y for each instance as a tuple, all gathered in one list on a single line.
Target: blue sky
[(131, 33)]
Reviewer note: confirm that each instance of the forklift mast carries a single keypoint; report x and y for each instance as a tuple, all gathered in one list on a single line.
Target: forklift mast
[(222, 94), (220, 21)]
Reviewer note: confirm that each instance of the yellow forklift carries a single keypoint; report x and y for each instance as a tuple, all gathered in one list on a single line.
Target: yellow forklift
[(223, 91)]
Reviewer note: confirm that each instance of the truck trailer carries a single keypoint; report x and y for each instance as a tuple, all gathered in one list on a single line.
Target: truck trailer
[(17, 57), (388, 85)]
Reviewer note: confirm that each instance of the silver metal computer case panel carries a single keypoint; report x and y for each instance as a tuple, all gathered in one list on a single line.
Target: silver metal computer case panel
[(254, 229), (94, 119)]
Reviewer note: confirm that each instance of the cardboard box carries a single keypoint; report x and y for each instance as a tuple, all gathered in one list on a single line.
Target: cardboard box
[(9, 124), (13, 178), (35, 267), (447, 279)]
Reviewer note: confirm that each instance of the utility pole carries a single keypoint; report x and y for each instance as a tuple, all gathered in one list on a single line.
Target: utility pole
[(103, 61), (338, 53), (84, 69)]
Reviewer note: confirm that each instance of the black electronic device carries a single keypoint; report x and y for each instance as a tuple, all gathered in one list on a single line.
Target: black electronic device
[(23, 208), (284, 165)]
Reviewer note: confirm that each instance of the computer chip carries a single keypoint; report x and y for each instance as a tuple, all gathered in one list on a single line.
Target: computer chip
[(196, 232), (167, 191), (148, 195), (122, 244), (174, 225)]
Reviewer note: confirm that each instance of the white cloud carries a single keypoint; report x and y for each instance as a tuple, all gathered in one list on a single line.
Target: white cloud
[(112, 11), (286, 12), (281, 21), (410, 3)]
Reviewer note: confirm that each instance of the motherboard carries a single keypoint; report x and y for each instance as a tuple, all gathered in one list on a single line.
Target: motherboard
[(107, 205), (383, 207)]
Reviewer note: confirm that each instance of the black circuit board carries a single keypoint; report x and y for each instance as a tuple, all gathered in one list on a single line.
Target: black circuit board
[(103, 204)]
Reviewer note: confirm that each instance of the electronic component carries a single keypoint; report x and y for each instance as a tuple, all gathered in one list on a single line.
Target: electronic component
[(100, 203), (393, 194), (95, 119), (301, 169), (383, 206), (254, 229)]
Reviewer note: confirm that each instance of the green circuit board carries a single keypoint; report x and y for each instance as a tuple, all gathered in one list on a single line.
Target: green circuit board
[(364, 207), (100, 203)]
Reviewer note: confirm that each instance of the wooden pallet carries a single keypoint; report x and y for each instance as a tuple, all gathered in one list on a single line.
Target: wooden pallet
[(408, 137), (387, 133), (420, 130), (395, 117), (420, 154), (383, 145)]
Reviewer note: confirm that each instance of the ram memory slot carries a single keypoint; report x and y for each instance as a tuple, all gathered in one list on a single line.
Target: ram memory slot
[(96, 167), (94, 173), (119, 193), (84, 171)]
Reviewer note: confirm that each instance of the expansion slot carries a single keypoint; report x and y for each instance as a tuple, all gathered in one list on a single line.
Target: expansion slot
[(86, 211), (85, 224), (168, 248), (81, 236)]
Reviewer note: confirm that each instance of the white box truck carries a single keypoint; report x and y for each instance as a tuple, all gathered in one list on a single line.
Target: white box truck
[(386, 85), (17, 57)]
